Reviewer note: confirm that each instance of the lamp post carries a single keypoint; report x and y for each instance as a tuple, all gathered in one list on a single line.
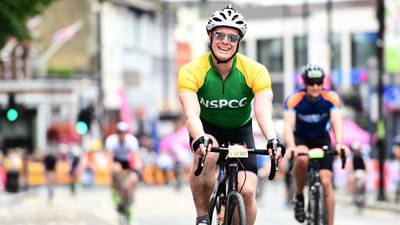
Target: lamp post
[(381, 144)]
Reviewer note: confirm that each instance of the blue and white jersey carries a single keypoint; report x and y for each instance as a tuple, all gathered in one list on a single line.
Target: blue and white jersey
[(312, 117)]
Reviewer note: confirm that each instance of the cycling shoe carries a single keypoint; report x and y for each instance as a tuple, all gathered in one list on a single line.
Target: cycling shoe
[(299, 213)]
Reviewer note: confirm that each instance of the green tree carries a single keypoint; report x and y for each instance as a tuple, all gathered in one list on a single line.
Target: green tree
[(14, 14)]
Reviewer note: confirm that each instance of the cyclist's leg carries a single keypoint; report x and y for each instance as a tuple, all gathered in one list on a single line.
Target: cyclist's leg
[(131, 183), (300, 178), (202, 185), (326, 175), (249, 178), (116, 169), (300, 165), (326, 180)]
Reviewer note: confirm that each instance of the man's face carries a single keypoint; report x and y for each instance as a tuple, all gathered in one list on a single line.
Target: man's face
[(121, 135), (314, 87), (224, 42)]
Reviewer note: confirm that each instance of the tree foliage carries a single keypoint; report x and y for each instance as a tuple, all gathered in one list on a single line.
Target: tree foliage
[(14, 15)]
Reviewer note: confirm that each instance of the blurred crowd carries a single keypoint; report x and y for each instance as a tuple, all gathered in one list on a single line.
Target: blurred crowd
[(164, 161)]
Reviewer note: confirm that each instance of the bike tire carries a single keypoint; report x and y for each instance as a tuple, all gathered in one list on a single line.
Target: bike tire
[(316, 207), (124, 212), (360, 197), (212, 210), (235, 202)]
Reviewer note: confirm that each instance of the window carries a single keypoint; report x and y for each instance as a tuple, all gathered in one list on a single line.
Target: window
[(363, 48), (270, 53), (300, 52), (336, 53)]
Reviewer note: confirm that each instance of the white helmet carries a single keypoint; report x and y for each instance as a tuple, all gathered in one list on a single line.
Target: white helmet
[(122, 126), (227, 17), (356, 145)]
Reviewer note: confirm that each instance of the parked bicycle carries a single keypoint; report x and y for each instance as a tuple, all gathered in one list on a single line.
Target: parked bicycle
[(316, 211), (226, 199)]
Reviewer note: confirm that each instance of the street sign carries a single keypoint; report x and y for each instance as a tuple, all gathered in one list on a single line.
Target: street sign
[(391, 98)]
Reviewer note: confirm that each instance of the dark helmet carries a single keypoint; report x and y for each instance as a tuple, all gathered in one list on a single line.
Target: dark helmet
[(311, 72)]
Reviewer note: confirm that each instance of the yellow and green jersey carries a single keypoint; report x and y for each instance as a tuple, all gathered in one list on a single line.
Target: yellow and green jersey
[(224, 103)]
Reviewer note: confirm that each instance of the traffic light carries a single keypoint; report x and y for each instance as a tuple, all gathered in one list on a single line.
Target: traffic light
[(12, 111), (85, 116), (12, 114)]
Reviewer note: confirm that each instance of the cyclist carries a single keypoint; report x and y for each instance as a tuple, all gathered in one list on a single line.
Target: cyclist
[(358, 167), (216, 92), (120, 145), (309, 112)]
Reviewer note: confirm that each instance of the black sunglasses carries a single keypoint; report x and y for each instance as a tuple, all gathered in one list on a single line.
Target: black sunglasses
[(312, 83), (221, 36)]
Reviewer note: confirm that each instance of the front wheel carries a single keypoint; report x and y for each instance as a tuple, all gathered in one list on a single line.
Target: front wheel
[(316, 207), (235, 209)]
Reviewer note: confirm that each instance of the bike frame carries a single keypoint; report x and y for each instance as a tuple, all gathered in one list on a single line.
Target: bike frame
[(227, 190), (315, 213), (316, 204), (122, 190)]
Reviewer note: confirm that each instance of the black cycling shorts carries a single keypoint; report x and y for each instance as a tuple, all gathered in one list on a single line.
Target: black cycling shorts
[(124, 164), (241, 135), (327, 161)]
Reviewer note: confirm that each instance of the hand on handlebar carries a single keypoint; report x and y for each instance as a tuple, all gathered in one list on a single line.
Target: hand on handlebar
[(202, 145), (276, 149), (343, 151), (345, 148)]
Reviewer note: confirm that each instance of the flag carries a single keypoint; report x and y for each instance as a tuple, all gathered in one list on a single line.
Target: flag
[(65, 34), (124, 111)]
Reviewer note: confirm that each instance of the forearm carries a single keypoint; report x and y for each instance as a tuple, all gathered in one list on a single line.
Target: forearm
[(289, 138), (263, 114), (267, 127), (336, 120), (195, 127)]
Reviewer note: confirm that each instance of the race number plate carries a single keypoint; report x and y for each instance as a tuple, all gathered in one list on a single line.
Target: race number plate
[(237, 151)]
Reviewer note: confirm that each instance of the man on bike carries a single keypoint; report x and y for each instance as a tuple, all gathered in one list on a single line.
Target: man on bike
[(120, 145), (216, 91), (309, 113)]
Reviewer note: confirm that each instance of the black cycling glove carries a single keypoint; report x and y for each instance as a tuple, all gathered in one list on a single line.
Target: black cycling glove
[(202, 140), (278, 144)]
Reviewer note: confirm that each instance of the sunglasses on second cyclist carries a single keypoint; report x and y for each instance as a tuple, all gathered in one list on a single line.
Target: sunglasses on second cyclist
[(221, 36), (312, 83)]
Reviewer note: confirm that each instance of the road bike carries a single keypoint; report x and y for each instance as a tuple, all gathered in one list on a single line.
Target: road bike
[(226, 199), (359, 197), (122, 201), (316, 212)]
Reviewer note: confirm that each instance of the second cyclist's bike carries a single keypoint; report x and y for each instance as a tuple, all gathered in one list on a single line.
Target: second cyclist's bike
[(316, 212)]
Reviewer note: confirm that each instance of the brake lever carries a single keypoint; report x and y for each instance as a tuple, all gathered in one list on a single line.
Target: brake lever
[(274, 162)]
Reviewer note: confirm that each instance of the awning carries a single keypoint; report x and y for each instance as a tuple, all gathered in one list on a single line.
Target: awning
[(352, 132)]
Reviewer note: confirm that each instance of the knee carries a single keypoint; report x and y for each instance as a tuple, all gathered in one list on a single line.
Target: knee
[(301, 162), (327, 184), (248, 193)]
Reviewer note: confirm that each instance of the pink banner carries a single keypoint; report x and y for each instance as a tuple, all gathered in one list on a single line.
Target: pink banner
[(125, 112)]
